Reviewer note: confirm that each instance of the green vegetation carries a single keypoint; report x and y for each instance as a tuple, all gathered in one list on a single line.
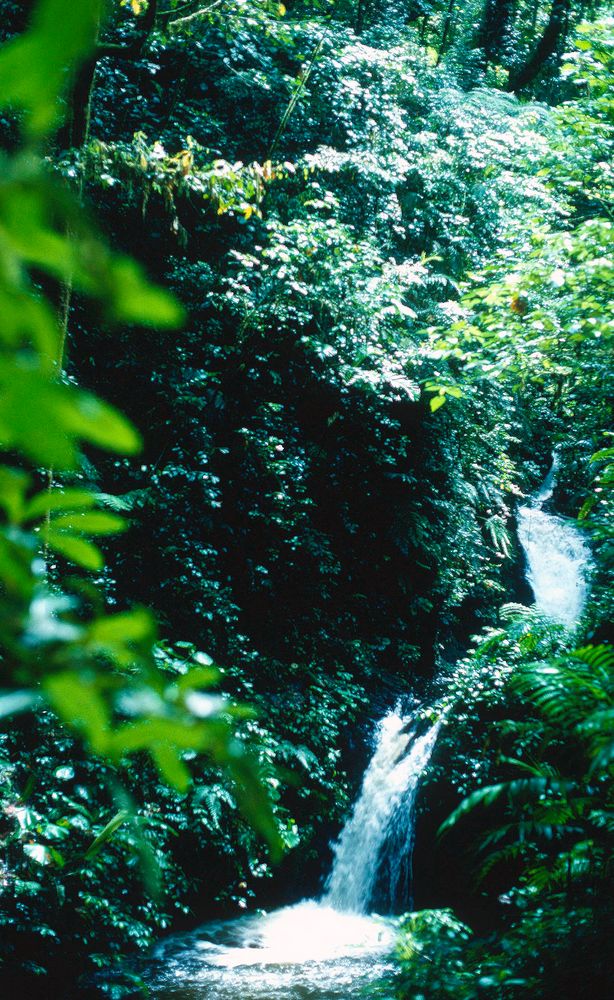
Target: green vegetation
[(251, 498)]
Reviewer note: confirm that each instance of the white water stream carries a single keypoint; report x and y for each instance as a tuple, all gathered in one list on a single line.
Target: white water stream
[(388, 794), (333, 948), (558, 558), (327, 949)]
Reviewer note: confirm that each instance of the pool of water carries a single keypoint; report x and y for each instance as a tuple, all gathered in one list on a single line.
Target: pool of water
[(305, 951)]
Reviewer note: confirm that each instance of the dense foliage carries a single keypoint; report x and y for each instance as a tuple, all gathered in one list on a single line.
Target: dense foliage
[(386, 234)]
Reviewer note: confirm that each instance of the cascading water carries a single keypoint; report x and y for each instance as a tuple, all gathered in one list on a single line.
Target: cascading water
[(558, 558), (327, 949), (331, 949), (388, 794)]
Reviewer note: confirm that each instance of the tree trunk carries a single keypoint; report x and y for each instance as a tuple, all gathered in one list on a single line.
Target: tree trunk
[(494, 27), (546, 47), (77, 128), (447, 28)]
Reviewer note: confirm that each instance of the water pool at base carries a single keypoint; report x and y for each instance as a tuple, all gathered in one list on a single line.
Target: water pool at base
[(305, 951)]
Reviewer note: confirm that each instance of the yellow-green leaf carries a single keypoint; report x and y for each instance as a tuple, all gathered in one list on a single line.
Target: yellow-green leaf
[(96, 522), (58, 499), (436, 402), (75, 549), (33, 65), (106, 833)]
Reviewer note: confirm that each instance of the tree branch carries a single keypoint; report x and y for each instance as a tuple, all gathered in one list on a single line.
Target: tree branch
[(195, 14), (546, 46)]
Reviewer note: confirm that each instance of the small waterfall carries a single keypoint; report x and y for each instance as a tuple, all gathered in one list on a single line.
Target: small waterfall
[(547, 487), (384, 808), (334, 946), (558, 558), (331, 947)]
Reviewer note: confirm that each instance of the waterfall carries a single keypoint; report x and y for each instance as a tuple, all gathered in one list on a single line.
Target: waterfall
[(558, 558), (335, 946), (546, 489), (384, 807), (331, 947)]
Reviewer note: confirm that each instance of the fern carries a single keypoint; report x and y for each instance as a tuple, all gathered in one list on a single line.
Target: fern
[(573, 695), (518, 791), (213, 798), (127, 502), (499, 534)]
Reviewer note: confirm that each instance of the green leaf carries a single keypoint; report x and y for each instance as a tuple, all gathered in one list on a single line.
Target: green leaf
[(13, 486), (517, 791), (91, 523), (27, 320), (38, 853), (436, 402), (171, 766), (198, 677), (16, 566), (586, 508), (135, 300), (130, 626), (605, 453), (30, 400), (75, 549), (101, 424), (126, 502), (106, 833), (254, 801), (79, 704), (32, 66), (58, 499)]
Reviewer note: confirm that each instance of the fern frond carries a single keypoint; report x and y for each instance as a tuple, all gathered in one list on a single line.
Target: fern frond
[(517, 792), (507, 855), (599, 658), (518, 612)]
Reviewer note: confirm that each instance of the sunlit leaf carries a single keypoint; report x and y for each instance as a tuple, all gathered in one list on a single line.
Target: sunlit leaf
[(79, 704), (90, 523), (58, 499), (135, 300), (435, 402), (76, 549), (13, 486), (38, 853)]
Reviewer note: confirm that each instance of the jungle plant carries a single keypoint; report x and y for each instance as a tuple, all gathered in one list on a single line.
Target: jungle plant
[(60, 646), (556, 811)]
